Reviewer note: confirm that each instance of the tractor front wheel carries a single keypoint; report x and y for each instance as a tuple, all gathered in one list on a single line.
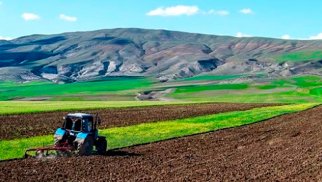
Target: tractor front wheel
[(101, 145), (86, 147)]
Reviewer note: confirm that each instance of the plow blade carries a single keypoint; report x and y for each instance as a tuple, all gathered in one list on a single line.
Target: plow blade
[(48, 152)]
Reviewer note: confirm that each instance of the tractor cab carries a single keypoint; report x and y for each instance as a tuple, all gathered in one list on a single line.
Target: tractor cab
[(79, 122)]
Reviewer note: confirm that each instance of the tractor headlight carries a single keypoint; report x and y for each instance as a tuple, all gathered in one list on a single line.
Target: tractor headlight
[(58, 137)]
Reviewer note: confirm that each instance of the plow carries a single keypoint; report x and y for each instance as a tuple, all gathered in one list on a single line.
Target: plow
[(51, 151), (78, 136)]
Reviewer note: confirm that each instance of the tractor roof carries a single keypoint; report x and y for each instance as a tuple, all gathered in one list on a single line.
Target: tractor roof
[(79, 115)]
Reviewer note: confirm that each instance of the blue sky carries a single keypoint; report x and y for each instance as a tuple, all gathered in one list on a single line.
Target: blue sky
[(295, 19)]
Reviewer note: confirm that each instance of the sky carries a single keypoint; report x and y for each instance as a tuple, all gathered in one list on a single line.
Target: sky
[(287, 19)]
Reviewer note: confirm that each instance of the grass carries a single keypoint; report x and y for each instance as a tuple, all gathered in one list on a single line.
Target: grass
[(275, 84), (227, 77), (287, 90), (306, 81), (299, 89), (211, 77), (20, 107), (309, 55), (275, 97), (199, 88), (116, 86), (151, 132), (316, 91)]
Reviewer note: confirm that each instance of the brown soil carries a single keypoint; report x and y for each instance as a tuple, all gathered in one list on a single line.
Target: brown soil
[(26, 125), (286, 148)]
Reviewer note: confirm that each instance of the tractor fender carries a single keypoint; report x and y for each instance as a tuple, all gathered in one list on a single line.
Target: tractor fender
[(59, 134), (80, 137)]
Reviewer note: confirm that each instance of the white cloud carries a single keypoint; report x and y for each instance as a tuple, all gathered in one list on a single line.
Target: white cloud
[(67, 18), (286, 36), (239, 34), (218, 12), (174, 11), (246, 11), (5, 38), (316, 37), (30, 16)]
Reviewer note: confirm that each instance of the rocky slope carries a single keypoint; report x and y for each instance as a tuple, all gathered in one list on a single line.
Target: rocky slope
[(162, 54)]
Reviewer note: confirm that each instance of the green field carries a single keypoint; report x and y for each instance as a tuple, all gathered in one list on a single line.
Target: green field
[(211, 77), (117, 87), (300, 89), (316, 91), (201, 88), (20, 107), (151, 132), (309, 55)]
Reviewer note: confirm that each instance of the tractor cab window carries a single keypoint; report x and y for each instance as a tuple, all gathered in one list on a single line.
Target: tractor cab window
[(68, 124), (87, 124), (77, 125), (90, 125)]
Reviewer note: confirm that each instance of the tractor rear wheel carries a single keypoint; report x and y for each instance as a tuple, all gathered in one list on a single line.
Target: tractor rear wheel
[(101, 145), (86, 147)]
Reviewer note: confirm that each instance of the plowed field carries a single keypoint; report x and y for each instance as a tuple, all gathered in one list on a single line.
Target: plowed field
[(283, 148), (26, 125)]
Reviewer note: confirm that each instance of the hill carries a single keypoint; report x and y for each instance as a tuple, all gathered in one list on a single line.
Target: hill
[(165, 55)]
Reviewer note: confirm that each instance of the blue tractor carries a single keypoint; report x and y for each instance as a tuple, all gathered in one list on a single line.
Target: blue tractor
[(78, 135)]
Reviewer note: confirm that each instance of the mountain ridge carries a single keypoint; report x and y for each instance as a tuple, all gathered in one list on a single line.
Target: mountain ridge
[(163, 54)]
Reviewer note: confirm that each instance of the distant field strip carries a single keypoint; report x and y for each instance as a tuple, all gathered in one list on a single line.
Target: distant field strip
[(21, 107), (200, 88), (151, 132), (299, 56), (114, 85), (297, 89)]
